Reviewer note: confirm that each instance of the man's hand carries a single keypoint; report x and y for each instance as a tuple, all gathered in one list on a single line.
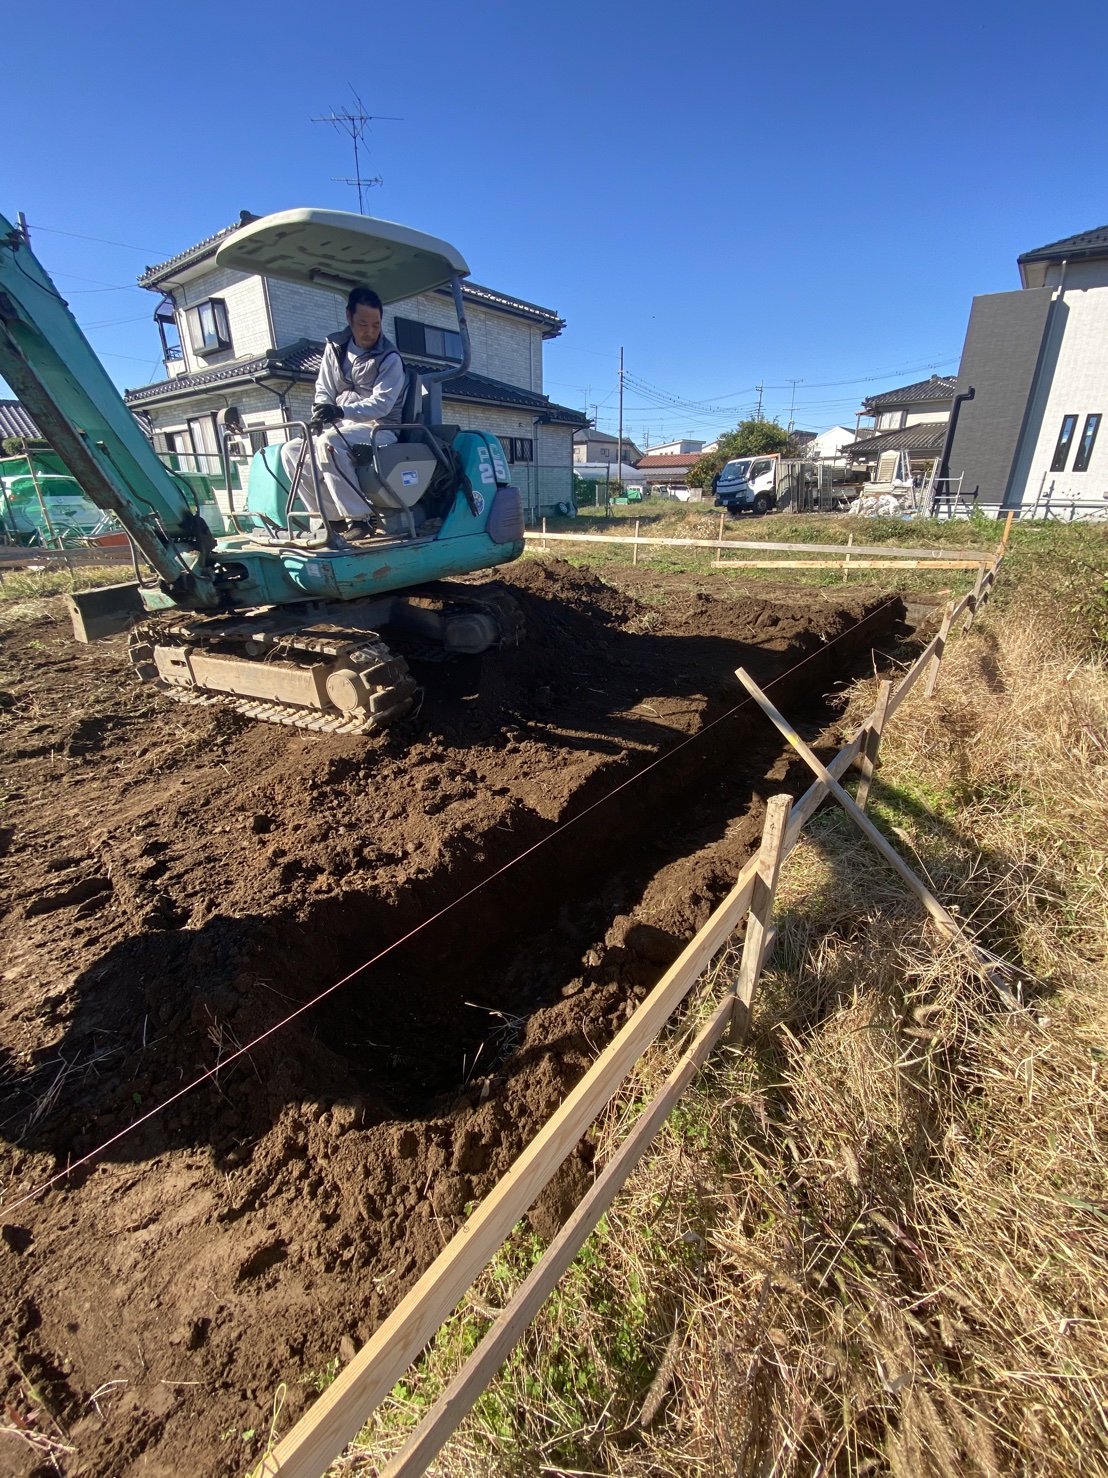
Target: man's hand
[(323, 415)]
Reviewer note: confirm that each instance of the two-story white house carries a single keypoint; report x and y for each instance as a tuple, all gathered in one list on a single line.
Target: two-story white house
[(232, 339), (1033, 387)]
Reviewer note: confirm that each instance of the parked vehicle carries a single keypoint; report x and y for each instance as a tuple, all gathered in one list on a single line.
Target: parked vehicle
[(748, 485)]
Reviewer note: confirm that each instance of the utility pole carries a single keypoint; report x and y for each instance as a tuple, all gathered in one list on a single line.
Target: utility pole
[(619, 460), (792, 405), (21, 226), (353, 122), (758, 412)]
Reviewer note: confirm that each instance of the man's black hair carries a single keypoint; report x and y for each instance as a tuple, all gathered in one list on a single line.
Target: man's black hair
[(362, 297)]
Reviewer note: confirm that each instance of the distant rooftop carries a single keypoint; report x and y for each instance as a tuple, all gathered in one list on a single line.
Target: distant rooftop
[(1092, 243), (654, 461), (938, 387), (14, 421)]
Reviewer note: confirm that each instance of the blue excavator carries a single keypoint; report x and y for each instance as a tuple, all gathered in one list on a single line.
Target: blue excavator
[(276, 619)]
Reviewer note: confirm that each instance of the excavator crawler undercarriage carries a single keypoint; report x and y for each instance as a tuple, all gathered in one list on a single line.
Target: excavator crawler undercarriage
[(323, 666)]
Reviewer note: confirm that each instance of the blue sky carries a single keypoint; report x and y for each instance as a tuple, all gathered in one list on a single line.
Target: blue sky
[(734, 192)]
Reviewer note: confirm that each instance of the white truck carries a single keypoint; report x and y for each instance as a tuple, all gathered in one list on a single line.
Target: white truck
[(748, 484)]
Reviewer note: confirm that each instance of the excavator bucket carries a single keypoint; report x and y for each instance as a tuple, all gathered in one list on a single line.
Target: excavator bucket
[(104, 612)]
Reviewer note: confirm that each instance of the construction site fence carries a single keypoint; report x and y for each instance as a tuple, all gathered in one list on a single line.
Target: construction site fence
[(848, 556), (329, 1426)]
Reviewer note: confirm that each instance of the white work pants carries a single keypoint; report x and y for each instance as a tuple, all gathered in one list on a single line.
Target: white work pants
[(338, 479)]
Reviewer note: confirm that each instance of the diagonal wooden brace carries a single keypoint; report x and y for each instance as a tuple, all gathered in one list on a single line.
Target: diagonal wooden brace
[(947, 924), (758, 926)]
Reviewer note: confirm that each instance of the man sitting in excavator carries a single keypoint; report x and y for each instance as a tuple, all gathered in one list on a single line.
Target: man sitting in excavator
[(359, 390)]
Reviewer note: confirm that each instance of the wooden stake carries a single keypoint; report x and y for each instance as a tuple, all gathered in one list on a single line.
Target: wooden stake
[(873, 740), (635, 546), (971, 609), (1007, 533), (846, 557), (947, 924), (940, 647), (758, 920), (721, 519), (544, 531)]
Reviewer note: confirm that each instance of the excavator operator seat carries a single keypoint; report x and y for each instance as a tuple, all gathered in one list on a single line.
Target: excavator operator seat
[(398, 475), (394, 478), (411, 402)]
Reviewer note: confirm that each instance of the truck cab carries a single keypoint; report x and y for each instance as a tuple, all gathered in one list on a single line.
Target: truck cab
[(748, 485)]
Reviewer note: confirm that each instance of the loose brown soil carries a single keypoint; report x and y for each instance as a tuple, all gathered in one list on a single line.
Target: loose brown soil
[(177, 879)]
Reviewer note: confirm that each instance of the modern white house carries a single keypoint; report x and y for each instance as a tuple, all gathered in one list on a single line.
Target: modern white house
[(1032, 388), (233, 339), (677, 449), (829, 445)]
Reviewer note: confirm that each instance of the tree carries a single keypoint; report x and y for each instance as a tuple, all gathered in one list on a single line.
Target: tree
[(15, 446), (749, 439)]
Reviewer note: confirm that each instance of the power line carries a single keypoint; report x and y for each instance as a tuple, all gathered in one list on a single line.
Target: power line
[(77, 236)]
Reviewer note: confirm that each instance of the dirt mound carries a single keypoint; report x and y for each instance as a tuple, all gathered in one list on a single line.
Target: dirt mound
[(178, 880)]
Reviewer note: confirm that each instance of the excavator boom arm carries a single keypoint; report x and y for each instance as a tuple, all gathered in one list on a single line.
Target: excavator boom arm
[(53, 370)]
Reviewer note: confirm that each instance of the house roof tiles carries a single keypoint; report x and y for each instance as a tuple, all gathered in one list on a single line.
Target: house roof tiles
[(938, 387), (661, 460), (154, 276), (299, 362), (1092, 243), (925, 438), (14, 421)]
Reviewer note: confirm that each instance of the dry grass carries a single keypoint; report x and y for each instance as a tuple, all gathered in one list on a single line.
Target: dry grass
[(29, 595), (876, 1242)]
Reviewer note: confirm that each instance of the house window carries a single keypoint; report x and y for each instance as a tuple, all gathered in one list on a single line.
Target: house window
[(1065, 441), (890, 421), (174, 448), (1088, 441), (205, 446), (422, 338), (518, 448), (208, 331), (166, 320), (258, 440)]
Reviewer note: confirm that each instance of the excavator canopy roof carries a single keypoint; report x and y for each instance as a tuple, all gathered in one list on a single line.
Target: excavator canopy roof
[(339, 250)]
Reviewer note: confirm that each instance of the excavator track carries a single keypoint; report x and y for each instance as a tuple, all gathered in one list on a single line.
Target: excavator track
[(276, 713), (349, 681), (320, 676)]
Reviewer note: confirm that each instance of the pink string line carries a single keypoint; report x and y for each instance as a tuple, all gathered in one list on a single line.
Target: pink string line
[(213, 1072)]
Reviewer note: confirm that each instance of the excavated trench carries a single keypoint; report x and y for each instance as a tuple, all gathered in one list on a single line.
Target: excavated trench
[(406, 1034), (414, 1023), (408, 1031)]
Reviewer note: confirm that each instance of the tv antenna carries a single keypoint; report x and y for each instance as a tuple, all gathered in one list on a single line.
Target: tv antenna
[(353, 122)]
